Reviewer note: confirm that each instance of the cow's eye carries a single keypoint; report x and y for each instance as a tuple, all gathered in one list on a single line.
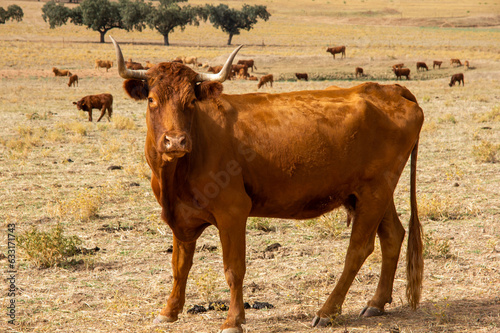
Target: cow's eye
[(152, 102), (193, 101)]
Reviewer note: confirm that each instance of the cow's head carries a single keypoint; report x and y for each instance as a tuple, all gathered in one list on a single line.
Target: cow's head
[(81, 105), (173, 92)]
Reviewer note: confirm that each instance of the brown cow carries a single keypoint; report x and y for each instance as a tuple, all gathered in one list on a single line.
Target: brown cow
[(102, 102), (421, 66), (133, 65), (240, 71), (265, 80), (301, 76), (250, 63), (190, 60), (61, 72), (103, 64), (457, 78), (455, 62), (72, 80), (253, 78), (335, 50), (148, 65), (358, 71), (215, 69), (436, 63), (401, 65), (401, 72), (466, 64), (217, 159)]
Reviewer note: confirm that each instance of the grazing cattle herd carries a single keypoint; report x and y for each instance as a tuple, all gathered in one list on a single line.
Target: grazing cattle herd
[(237, 71)]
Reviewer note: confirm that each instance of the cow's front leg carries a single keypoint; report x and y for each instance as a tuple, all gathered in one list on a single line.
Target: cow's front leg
[(90, 115), (182, 260), (233, 251)]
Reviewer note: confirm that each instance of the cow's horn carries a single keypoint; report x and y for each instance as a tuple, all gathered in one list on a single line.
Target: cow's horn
[(122, 69), (224, 73)]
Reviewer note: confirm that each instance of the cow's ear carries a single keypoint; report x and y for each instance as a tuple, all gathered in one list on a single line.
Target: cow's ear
[(136, 89), (75, 103), (208, 90)]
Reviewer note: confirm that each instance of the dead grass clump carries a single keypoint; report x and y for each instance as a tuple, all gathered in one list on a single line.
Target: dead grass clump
[(73, 127), (330, 225), (123, 123), (486, 152), (437, 208), (27, 138), (83, 207), (491, 116), (206, 285), (435, 247), (447, 118), (46, 249), (262, 224)]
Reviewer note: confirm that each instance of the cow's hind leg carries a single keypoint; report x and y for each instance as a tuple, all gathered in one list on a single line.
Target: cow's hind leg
[(103, 112), (182, 260), (110, 112), (367, 215), (391, 234)]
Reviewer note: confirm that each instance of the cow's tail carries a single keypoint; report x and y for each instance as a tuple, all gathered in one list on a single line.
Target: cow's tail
[(414, 257)]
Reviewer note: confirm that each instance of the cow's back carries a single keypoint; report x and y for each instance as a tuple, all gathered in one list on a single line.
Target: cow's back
[(302, 153)]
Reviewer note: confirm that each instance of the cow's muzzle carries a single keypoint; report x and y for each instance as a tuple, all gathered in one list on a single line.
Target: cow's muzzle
[(174, 145)]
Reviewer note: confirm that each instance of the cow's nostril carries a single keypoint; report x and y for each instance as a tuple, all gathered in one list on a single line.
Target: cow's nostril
[(183, 141)]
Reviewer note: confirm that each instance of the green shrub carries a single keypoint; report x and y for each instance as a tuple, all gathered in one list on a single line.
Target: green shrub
[(47, 249)]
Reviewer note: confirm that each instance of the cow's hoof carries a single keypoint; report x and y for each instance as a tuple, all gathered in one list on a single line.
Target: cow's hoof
[(321, 322), (232, 330), (370, 311), (163, 319)]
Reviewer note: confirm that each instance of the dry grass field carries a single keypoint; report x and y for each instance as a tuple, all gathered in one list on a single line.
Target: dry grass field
[(63, 199)]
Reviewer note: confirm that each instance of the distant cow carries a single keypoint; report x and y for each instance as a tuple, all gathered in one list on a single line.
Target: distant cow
[(401, 65), (264, 80), (61, 72), (421, 66), (190, 60), (72, 80), (455, 62), (301, 76), (214, 69), (102, 102), (253, 78), (466, 64), (148, 65), (103, 64), (457, 78), (436, 63), (337, 49), (133, 65), (240, 71), (358, 71), (250, 63), (401, 72)]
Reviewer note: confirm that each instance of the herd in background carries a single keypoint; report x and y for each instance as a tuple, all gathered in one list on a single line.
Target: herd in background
[(104, 102)]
